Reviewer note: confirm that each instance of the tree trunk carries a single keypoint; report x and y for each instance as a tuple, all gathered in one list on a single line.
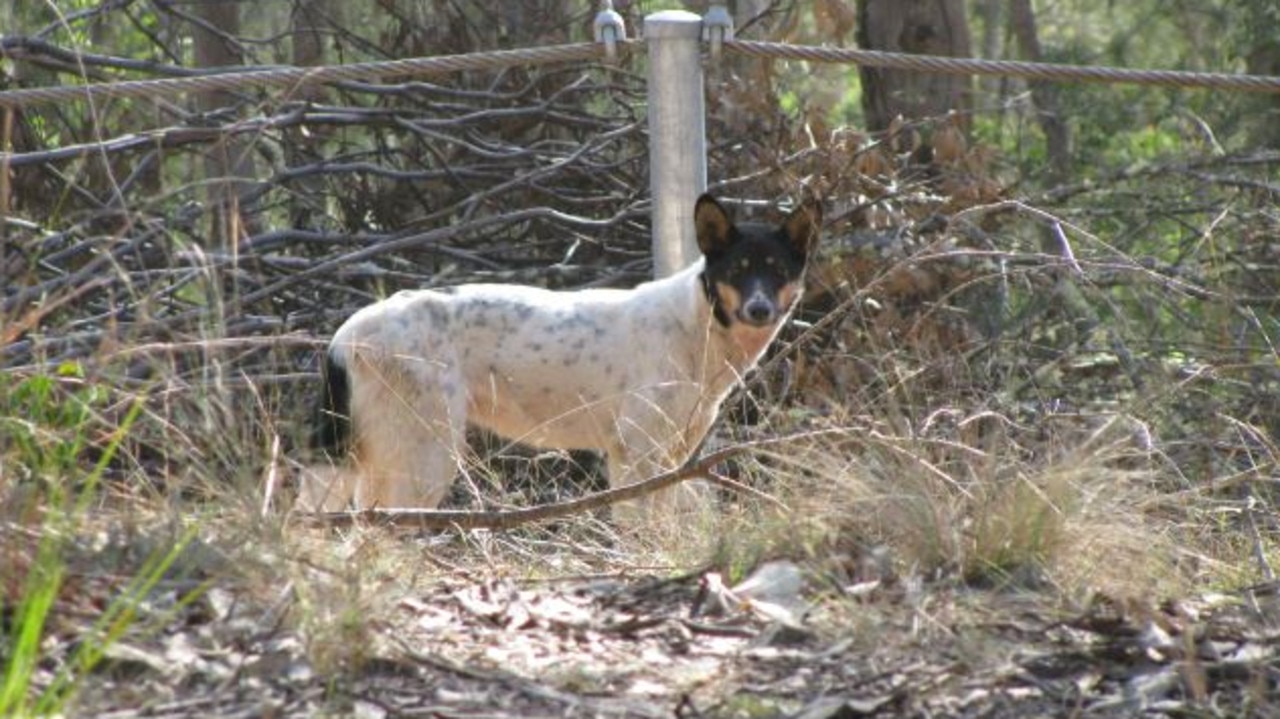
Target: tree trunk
[(991, 11), (924, 27), (1044, 95), (308, 23), (1264, 59), (228, 165)]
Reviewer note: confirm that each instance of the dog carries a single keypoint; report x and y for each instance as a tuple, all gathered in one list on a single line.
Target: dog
[(637, 374)]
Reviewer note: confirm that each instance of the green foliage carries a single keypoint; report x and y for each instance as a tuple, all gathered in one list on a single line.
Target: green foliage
[(22, 648), (52, 442), (119, 617), (48, 419), (44, 577), (1254, 24), (43, 583)]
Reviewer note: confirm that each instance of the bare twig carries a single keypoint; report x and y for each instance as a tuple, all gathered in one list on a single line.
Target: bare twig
[(696, 467)]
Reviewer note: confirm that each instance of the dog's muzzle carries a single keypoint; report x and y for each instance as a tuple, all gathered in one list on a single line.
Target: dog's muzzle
[(758, 311)]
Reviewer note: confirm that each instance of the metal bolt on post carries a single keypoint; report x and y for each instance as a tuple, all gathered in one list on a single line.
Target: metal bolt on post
[(677, 135), (609, 29), (717, 28)]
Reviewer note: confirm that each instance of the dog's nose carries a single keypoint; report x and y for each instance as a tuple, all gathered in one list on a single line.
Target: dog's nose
[(759, 311)]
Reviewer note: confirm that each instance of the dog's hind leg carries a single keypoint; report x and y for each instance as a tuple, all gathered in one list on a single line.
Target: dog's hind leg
[(328, 485), (409, 418)]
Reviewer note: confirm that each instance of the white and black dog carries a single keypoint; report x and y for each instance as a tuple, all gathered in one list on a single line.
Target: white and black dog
[(636, 374)]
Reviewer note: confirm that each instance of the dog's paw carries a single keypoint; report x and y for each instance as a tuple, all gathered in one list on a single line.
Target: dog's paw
[(323, 488)]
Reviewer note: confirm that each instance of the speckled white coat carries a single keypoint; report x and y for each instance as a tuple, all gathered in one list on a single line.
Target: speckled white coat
[(636, 374)]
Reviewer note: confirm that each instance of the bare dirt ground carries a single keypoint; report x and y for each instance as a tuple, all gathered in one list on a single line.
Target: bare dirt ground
[(468, 630)]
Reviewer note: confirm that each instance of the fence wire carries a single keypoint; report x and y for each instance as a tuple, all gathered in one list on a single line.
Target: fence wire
[(294, 77), (1013, 68)]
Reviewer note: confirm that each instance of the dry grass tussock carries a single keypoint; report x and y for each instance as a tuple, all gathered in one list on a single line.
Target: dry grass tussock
[(977, 507)]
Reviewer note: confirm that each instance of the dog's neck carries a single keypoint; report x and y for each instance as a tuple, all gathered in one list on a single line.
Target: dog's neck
[(729, 349), (721, 349)]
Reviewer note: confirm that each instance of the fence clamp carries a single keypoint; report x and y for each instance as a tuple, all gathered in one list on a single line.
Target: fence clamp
[(717, 27), (609, 29)]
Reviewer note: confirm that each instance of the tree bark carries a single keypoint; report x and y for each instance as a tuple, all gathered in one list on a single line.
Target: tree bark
[(1044, 95), (228, 165), (1264, 59), (926, 27), (309, 22), (991, 12)]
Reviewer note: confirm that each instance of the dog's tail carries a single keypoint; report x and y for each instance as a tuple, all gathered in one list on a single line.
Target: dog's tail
[(332, 431)]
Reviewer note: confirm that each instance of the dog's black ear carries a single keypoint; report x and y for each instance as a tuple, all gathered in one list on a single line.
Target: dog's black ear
[(714, 228), (804, 225)]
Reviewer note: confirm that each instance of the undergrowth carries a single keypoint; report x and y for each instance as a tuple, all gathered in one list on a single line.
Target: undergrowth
[(52, 429), (985, 401)]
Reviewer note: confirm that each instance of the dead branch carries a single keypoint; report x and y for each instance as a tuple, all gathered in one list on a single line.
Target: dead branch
[(696, 467)]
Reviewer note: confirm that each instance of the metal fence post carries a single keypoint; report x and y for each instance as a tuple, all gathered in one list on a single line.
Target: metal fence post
[(677, 135)]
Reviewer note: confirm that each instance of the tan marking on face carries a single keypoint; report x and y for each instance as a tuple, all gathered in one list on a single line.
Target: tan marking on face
[(788, 294), (730, 298)]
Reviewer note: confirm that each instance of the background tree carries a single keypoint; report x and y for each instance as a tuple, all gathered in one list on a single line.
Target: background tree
[(1044, 95), (931, 27), (229, 166), (1262, 57)]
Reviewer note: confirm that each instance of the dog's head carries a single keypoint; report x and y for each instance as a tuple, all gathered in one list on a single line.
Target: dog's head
[(754, 271)]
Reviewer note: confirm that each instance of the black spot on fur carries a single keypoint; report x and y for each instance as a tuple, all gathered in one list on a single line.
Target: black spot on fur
[(574, 321), (332, 431), (439, 317)]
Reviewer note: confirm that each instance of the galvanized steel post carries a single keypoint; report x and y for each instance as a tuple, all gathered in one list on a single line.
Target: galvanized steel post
[(677, 135)]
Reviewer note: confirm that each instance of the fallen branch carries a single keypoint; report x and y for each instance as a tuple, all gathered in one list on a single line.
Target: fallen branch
[(696, 467), (510, 518)]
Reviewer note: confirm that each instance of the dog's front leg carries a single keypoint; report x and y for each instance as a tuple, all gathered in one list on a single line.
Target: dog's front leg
[(325, 488), (639, 461)]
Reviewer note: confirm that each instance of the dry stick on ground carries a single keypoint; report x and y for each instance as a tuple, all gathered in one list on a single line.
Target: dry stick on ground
[(697, 467)]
